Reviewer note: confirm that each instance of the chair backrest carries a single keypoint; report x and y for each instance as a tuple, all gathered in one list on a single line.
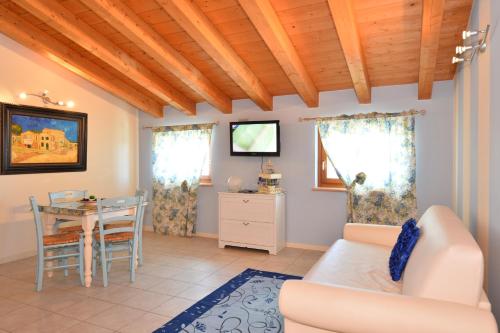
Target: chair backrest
[(447, 263), (38, 221), (66, 196), (144, 195), (119, 203)]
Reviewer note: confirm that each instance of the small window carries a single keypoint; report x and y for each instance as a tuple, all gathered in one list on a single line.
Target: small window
[(327, 177)]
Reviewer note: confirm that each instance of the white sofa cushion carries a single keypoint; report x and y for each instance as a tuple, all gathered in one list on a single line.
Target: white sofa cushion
[(356, 265), (446, 264)]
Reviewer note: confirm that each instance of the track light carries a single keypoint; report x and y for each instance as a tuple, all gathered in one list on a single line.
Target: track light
[(456, 60), (462, 49), (44, 96)]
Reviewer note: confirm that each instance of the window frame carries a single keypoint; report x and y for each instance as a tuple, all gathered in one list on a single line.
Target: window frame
[(206, 180), (322, 180)]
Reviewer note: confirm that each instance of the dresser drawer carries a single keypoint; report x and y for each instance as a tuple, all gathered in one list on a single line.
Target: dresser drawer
[(247, 232), (243, 209)]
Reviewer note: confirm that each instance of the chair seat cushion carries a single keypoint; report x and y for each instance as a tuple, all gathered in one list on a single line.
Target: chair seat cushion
[(355, 265), (58, 239), (118, 237)]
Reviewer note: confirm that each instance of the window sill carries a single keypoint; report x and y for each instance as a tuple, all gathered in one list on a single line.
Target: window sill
[(329, 189), (207, 184)]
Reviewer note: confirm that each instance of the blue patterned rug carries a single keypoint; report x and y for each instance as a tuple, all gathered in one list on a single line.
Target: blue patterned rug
[(246, 303)]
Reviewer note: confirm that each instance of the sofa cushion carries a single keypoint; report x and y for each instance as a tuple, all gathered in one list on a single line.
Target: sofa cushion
[(356, 265), (446, 264), (402, 249)]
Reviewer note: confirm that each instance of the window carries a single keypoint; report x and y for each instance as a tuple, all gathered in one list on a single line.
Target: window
[(326, 175), (206, 173)]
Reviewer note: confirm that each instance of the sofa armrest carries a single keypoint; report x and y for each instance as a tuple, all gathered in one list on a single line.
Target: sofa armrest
[(385, 235), (348, 310)]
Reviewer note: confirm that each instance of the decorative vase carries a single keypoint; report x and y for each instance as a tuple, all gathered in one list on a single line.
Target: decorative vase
[(234, 184)]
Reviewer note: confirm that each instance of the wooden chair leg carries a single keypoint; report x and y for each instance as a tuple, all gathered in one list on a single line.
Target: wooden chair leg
[(110, 253), (104, 266), (132, 261), (39, 271), (65, 262), (139, 249)]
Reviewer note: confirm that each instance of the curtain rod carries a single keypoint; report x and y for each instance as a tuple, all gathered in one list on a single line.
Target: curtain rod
[(151, 127), (367, 115)]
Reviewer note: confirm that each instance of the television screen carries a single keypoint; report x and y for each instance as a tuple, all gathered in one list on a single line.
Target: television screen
[(255, 138)]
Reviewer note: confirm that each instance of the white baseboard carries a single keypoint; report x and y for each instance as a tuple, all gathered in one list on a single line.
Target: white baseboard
[(18, 256)]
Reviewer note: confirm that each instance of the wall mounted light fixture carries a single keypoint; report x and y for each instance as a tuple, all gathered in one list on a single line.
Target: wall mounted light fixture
[(44, 96), (475, 46)]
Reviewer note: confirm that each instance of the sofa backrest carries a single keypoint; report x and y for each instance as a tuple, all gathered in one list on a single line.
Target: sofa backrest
[(447, 263)]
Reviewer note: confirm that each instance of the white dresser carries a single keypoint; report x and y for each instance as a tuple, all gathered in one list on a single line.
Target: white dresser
[(252, 220)]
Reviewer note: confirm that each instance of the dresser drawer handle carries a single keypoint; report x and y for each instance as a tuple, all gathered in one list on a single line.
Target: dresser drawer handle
[(246, 200), (246, 223)]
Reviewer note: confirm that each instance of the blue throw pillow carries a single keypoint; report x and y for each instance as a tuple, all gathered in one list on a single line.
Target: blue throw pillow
[(401, 252)]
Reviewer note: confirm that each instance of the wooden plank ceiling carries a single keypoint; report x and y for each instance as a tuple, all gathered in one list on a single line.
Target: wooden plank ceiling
[(154, 53)]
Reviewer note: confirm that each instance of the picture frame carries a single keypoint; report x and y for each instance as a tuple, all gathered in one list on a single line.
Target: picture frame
[(41, 140)]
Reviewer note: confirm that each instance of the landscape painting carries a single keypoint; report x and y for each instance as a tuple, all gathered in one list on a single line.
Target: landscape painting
[(42, 140)]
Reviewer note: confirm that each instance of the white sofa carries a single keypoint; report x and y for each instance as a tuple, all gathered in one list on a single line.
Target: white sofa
[(349, 290)]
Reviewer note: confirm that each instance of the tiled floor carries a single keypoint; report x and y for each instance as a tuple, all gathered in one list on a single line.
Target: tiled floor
[(176, 273)]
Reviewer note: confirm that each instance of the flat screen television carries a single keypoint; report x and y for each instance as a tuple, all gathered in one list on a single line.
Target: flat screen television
[(255, 138)]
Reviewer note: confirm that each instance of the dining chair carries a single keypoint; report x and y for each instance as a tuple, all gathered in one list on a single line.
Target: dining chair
[(67, 196), (62, 247), (144, 194), (122, 238)]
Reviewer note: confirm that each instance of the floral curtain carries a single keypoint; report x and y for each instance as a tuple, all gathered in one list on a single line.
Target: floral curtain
[(374, 156), (179, 153)]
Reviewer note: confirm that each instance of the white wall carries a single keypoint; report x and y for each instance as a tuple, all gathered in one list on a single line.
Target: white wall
[(112, 143), (315, 218), (477, 156)]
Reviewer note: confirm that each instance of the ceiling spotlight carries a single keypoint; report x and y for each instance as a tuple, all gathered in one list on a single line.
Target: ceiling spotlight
[(466, 34), (462, 49), (23, 95), (70, 104), (456, 60)]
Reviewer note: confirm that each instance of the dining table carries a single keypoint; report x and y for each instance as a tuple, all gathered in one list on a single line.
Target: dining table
[(84, 213)]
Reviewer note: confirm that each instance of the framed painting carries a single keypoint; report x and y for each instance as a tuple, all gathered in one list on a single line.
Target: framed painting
[(39, 140)]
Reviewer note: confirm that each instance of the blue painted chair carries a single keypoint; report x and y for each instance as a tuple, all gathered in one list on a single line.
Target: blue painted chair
[(62, 247), (67, 196), (117, 234), (144, 194)]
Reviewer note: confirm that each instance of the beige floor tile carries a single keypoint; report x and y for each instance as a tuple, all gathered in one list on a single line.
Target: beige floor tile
[(85, 308), (170, 287), (196, 293), (163, 271), (146, 300), (190, 276), (173, 307), (7, 305), (143, 281), (115, 317), (87, 328), (48, 324), (145, 324), (20, 317)]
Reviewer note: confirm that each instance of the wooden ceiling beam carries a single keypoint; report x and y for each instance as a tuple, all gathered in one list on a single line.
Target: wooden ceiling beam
[(22, 31), (123, 19), (432, 19), (62, 20), (347, 30), (202, 30), (267, 23)]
